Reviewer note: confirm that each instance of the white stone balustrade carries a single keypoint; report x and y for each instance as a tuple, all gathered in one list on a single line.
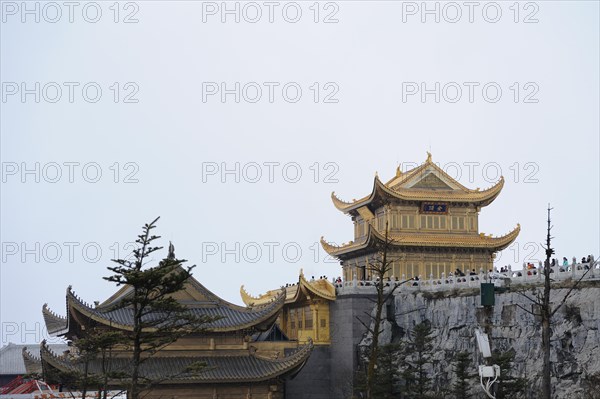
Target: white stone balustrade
[(525, 276)]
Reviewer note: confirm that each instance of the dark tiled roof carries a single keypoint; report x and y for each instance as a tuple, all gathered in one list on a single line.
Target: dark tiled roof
[(12, 356), (272, 334), (54, 323), (220, 368), (232, 317)]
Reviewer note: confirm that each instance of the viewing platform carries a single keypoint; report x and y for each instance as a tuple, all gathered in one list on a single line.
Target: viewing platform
[(533, 276)]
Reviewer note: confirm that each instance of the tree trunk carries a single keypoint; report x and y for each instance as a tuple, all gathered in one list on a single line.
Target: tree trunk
[(137, 350), (546, 314), (546, 333), (375, 344), (105, 376), (85, 376), (377, 321)]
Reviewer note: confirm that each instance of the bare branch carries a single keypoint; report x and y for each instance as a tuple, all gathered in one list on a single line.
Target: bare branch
[(536, 301), (570, 291), (527, 310), (369, 329)]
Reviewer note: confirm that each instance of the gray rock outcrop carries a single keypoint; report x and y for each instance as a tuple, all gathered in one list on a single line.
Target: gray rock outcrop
[(454, 317)]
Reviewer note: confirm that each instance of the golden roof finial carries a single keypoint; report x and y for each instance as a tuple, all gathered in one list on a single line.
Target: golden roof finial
[(398, 171), (376, 174), (428, 157)]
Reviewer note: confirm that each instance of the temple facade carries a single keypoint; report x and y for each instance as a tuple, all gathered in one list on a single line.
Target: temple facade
[(245, 355), (305, 315), (432, 224)]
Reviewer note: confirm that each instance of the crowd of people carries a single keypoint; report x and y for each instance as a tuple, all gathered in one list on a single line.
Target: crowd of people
[(460, 276), (531, 270)]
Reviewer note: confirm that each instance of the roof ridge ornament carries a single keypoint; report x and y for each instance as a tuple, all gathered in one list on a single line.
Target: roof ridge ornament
[(428, 157), (171, 254), (398, 171)]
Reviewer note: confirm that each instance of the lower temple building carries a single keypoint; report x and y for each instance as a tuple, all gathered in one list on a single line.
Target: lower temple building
[(245, 353)]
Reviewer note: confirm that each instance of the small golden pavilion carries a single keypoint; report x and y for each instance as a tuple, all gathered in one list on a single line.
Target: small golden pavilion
[(305, 313), (432, 223)]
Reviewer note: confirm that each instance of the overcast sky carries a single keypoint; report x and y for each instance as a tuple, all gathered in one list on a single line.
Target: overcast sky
[(235, 125)]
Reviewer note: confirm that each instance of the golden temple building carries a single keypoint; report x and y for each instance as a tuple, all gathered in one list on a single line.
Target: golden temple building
[(305, 313), (432, 222)]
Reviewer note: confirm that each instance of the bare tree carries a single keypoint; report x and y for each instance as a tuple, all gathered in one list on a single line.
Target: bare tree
[(546, 311), (379, 267)]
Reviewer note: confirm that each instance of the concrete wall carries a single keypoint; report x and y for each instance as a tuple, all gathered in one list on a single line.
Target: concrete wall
[(330, 369), (346, 333), (312, 382)]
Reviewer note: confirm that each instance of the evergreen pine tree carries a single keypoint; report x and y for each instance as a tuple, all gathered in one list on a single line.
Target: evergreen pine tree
[(387, 372), (460, 387), (158, 319), (507, 386), (417, 361)]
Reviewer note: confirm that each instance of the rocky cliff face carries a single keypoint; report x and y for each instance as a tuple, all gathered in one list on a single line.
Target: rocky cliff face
[(454, 316)]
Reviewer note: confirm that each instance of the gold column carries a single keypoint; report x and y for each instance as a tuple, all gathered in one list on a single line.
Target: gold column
[(315, 313)]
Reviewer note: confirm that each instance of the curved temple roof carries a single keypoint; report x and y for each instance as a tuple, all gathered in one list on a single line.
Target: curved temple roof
[(407, 186), (220, 368), (374, 238), (233, 317), (321, 288), (55, 324), (32, 362)]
